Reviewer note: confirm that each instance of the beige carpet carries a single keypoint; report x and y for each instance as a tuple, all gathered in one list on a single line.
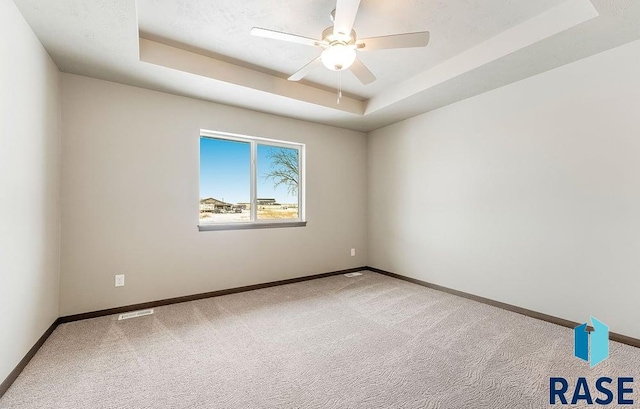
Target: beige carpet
[(364, 342)]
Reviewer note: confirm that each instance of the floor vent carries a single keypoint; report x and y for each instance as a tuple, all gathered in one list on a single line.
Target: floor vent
[(134, 314), (352, 274)]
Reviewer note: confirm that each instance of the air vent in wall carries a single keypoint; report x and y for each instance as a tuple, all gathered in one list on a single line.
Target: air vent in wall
[(135, 314)]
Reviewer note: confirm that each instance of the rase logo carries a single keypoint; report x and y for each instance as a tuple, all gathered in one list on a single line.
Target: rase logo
[(596, 341), (592, 347)]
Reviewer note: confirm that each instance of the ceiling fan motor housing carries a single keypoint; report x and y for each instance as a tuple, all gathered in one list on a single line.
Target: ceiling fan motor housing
[(329, 37)]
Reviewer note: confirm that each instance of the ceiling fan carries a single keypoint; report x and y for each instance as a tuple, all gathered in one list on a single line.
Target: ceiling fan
[(339, 43)]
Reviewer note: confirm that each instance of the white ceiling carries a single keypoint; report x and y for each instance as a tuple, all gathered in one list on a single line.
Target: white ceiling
[(203, 49), (222, 28)]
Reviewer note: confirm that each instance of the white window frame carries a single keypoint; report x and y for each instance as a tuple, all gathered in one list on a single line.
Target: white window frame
[(255, 223)]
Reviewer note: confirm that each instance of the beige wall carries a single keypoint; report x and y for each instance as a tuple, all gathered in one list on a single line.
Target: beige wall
[(130, 199), (529, 194), (29, 185)]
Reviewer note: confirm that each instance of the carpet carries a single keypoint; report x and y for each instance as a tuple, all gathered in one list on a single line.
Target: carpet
[(370, 341)]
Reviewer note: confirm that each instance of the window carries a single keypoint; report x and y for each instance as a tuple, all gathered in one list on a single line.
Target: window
[(248, 182)]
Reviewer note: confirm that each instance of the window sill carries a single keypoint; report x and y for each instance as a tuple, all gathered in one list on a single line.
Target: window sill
[(249, 226)]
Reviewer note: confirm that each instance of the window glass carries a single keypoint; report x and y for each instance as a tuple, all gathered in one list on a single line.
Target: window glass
[(250, 181), (278, 172), (225, 181)]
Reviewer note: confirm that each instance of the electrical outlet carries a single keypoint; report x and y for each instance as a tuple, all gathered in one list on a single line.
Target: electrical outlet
[(353, 252), (120, 280)]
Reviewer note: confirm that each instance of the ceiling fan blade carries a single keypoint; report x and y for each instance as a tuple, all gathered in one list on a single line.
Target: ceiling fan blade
[(346, 11), (292, 38), (407, 40), (302, 72), (362, 73)]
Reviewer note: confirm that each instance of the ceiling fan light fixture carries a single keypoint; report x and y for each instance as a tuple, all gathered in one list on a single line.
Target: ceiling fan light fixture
[(338, 56)]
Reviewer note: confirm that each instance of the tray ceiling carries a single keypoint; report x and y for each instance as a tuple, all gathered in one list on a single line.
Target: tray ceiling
[(203, 49), (222, 29)]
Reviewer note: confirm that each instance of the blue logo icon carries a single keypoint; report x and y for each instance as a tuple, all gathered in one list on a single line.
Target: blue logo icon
[(593, 346)]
